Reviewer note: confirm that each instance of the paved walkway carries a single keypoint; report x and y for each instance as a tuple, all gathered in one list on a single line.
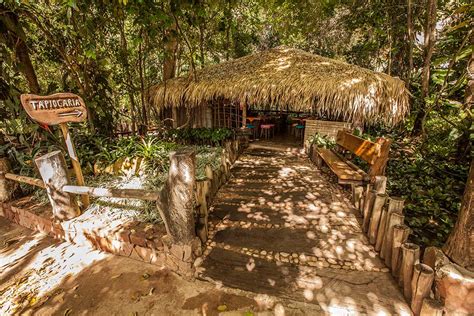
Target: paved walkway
[(281, 227)]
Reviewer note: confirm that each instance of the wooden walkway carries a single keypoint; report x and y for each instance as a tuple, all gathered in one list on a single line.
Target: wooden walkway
[(281, 227)]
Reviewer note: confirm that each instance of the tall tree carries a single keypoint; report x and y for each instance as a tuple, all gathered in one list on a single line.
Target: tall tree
[(460, 244), (429, 42), (14, 37)]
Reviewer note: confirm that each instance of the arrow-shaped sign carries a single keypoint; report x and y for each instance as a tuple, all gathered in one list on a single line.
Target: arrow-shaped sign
[(76, 113)]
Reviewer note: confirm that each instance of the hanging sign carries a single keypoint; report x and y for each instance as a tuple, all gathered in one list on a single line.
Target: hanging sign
[(55, 109)]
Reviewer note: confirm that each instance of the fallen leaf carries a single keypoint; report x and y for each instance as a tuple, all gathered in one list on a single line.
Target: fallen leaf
[(222, 308)]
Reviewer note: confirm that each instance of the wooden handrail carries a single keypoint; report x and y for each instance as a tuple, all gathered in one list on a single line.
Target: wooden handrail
[(113, 193), (25, 179)]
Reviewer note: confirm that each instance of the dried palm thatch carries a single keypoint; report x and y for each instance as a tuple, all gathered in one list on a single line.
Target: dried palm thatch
[(294, 80)]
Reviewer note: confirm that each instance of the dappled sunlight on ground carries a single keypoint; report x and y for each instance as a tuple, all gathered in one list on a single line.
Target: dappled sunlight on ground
[(281, 227), (34, 268)]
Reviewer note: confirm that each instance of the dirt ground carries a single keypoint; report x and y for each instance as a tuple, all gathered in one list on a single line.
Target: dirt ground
[(43, 276)]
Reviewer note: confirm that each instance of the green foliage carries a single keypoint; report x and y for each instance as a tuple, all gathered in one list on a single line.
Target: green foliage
[(322, 141), (201, 136), (432, 187)]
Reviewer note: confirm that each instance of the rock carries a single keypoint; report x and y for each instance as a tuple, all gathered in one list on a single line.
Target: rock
[(284, 254), (455, 287), (198, 262)]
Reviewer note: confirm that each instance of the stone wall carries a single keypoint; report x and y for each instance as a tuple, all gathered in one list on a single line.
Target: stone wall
[(136, 240)]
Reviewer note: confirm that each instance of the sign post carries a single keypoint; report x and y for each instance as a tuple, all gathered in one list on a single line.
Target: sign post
[(59, 109)]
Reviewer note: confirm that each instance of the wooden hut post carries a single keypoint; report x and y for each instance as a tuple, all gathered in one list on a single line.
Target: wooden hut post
[(244, 114), (53, 170), (176, 203), (410, 257), (375, 218), (395, 205), (400, 236), (394, 219), (421, 282)]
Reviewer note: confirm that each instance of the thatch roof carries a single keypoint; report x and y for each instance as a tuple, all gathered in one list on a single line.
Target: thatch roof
[(294, 80)]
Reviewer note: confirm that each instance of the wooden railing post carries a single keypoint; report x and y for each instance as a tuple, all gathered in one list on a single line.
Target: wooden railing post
[(421, 282), (52, 168), (410, 257), (6, 187), (176, 203)]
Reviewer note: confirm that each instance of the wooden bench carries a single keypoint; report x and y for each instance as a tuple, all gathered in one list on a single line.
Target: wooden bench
[(374, 153)]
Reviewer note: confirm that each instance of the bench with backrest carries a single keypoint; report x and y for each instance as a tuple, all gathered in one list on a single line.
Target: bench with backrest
[(374, 153)]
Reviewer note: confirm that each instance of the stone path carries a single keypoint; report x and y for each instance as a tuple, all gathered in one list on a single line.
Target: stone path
[(281, 227)]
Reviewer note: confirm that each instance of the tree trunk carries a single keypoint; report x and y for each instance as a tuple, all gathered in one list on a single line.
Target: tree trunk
[(460, 244), (411, 38), (170, 50), (16, 39), (126, 66), (430, 28), (464, 141)]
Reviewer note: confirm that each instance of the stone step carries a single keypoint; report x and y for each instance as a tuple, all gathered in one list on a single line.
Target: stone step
[(333, 244), (283, 215), (334, 291)]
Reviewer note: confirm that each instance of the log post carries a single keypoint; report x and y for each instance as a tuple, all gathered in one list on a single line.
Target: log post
[(365, 194), (375, 218), (394, 219), (421, 283), (380, 184), (357, 191), (395, 205), (7, 187), (400, 236), (368, 206), (176, 203), (52, 168), (381, 231), (431, 307), (410, 257)]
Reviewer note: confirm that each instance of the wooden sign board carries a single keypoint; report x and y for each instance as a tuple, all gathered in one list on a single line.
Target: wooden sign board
[(55, 109)]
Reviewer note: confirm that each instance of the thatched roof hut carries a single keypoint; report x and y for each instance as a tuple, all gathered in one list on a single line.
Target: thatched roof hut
[(294, 80)]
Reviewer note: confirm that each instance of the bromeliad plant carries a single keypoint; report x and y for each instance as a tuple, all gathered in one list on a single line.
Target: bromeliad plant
[(322, 141)]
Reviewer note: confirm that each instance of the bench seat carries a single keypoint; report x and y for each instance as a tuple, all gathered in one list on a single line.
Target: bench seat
[(345, 172)]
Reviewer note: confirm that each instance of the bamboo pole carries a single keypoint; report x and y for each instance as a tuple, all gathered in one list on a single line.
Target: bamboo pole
[(410, 257), (113, 193), (421, 282), (368, 209), (75, 161), (375, 218), (25, 179), (400, 236), (394, 219)]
